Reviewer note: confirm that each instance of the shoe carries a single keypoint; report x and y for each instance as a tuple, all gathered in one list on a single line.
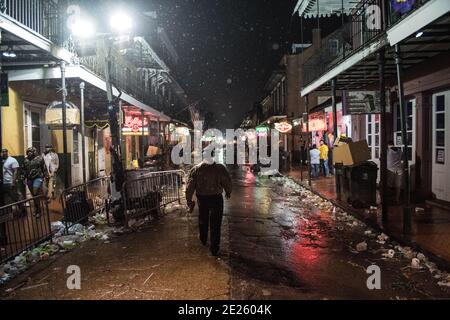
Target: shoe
[(204, 242), (215, 253)]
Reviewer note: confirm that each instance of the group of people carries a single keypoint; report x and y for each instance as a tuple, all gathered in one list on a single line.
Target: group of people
[(38, 172), (319, 160)]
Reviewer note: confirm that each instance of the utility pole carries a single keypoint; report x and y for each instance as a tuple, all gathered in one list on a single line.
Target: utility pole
[(118, 173), (308, 141)]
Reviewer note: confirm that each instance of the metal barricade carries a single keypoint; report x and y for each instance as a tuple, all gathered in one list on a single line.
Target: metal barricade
[(150, 193), (23, 225), (85, 200)]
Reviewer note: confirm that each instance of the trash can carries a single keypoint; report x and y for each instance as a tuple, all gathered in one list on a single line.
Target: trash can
[(363, 184), (339, 174)]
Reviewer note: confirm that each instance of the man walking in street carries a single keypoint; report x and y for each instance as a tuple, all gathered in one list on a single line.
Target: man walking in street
[(52, 163), (35, 174), (324, 158), (208, 180)]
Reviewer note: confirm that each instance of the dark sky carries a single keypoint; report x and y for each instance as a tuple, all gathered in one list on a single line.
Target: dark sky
[(227, 48)]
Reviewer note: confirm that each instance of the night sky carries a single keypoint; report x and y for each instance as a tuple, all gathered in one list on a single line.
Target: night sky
[(227, 48)]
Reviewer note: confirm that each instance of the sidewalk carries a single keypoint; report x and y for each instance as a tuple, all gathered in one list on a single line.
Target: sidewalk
[(430, 228)]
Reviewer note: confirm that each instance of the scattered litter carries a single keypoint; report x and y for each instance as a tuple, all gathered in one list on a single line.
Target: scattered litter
[(266, 293), (360, 247), (415, 263), (146, 280), (421, 257), (420, 210), (390, 254)]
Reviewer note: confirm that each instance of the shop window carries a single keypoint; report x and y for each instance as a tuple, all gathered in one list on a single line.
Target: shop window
[(36, 130), (440, 128), (76, 149), (410, 121), (373, 135)]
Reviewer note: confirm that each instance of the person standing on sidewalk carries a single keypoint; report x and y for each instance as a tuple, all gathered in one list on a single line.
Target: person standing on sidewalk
[(315, 161), (324, 158), (208, 180), (52, 163), (10, 180), (395, 170), (35, 174)]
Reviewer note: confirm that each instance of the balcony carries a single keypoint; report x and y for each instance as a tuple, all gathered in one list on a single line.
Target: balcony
[(40, 16), (357, 35)]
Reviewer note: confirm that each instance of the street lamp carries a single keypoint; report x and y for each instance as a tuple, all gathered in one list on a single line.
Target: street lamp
[(120, 24)]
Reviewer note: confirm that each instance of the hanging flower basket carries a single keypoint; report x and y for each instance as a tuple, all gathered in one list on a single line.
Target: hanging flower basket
[(53, 115)]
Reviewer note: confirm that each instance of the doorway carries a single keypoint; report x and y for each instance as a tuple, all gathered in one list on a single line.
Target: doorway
[(441, 146)]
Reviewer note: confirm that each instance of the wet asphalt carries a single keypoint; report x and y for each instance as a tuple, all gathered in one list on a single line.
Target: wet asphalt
[(278, 242)]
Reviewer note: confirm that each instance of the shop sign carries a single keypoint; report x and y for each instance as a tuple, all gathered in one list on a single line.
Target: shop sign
[(262, 131), (133, 124), (297, 122), (283, 127), (317, 122), (440, 156), (363, 102)]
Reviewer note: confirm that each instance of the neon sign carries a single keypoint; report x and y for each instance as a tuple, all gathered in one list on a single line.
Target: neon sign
[(133, 124), (283, 127)]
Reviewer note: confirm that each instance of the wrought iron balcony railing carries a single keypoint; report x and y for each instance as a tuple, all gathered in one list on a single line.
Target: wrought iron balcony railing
[(356, 34), (41, 16)]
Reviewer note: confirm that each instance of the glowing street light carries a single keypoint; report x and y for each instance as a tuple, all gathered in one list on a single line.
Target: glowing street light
[(120, 22), (83, 29)]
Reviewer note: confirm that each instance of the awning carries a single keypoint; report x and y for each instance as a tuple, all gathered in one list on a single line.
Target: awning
[(81, 73)]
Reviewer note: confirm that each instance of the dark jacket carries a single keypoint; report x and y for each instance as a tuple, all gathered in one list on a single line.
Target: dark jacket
[(208, 180)]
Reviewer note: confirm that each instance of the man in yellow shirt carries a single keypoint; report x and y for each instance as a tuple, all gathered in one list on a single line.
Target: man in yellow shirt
[(324, 158)]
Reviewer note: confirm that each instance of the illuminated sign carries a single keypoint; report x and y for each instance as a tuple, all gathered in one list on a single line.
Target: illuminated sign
[(132, 125), (283, 127), (317, 122), (262, 129)]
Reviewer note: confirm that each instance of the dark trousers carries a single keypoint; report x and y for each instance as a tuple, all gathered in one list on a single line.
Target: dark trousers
[(210, 217)]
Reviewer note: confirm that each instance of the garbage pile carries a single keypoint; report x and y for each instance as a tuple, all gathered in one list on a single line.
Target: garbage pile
[(61, 242), (374, 242)]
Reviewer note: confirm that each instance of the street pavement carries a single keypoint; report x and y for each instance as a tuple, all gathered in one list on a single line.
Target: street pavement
[(278, 242)]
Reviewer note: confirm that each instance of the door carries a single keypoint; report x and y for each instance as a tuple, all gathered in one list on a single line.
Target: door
[(410, 128), (441, 146), (374, 138), (77, 177), (36, 132)]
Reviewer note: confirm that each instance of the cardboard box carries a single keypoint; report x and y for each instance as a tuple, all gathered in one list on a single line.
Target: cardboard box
[(351, 153), (341, 140)]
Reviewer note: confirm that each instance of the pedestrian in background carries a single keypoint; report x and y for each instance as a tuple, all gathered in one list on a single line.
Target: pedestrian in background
[(52, 163), (315, 161), (35, 173), (395, 170), (208, 180), (10, 190), (324, 158)]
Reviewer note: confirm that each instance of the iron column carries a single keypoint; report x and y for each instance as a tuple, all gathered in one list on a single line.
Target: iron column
[(384, 147), (83, 142), (407, 215), (67, 166)]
